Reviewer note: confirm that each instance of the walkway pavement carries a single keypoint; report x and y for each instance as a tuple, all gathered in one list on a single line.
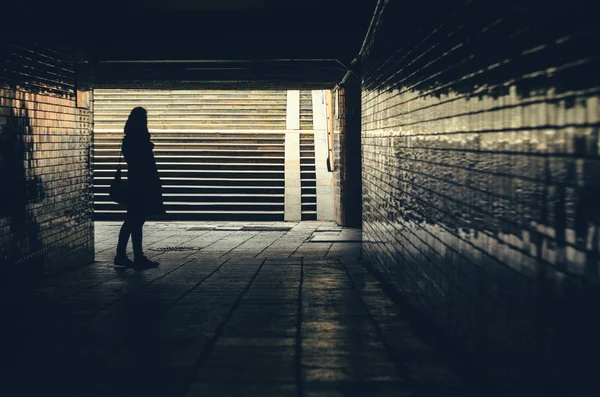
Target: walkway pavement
[(234, 309)]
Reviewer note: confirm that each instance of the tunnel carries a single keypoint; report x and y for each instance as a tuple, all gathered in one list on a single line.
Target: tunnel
[(381, 198)]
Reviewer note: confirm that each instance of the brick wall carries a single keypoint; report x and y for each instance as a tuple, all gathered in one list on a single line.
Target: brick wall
[(45, 169), (481, 178)]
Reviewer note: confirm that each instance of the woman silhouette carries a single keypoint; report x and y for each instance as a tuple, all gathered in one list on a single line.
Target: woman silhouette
[(144, 187)]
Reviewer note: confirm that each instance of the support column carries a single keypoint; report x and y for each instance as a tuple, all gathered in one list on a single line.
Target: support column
[(324, 180), (292, 112), (293, 193)]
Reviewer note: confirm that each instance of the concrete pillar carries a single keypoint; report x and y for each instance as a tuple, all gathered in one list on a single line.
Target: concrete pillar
[(319, 117), (293, 110), (325, 210), (293, 193)]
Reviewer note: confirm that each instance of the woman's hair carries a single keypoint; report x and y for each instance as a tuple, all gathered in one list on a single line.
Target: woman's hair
[(137, 123)]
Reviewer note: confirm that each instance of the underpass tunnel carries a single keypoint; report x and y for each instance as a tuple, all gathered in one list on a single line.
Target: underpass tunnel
[(434, 159)]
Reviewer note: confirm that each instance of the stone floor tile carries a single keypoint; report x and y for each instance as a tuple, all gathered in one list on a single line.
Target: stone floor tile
[(359, 389), (350, 373), (241, 389), (245, 312)]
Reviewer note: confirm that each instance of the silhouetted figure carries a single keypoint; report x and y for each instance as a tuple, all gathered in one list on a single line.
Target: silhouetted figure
[(144, 187)]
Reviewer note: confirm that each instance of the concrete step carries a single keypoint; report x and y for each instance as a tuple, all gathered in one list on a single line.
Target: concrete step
[(156, 112), (190, 98), (155, 129), (215, 197), (189, 94), (192, 215), (191, 91), (309, 198), (251, 159), (206, 124), (197, 153), (170, 136), (160, 139), (157, 107), (193, 118), (241, 132), (183, 206), (255, 167), (105, 95), (202, 174), (141, 100), (207, 181), (149, 102), (204, 189), (197, 146)]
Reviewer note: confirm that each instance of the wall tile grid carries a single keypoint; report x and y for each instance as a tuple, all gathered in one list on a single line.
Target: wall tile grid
[(347, 164), (481, 178), (45, 198), (339, 142)]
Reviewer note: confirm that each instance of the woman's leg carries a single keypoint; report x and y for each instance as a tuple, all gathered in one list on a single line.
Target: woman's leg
[(124, 238), (137, 222)]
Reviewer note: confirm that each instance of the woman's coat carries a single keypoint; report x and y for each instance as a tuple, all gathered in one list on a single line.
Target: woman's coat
[(145, 188)]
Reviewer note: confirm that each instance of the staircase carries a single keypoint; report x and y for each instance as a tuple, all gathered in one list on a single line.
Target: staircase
[(220, 154), (308, 176), (306, 114)]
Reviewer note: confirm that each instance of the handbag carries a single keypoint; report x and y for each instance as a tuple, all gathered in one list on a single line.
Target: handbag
[(118, 188)]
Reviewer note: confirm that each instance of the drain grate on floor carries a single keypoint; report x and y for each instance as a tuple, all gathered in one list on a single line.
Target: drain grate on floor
[(173, 249), (267, 228), (247, 228)]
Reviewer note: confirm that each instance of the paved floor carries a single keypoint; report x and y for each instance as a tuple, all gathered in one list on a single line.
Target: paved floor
[(254, 309)]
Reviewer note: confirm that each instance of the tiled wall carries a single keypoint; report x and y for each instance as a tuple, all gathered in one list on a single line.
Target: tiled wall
[(347, 179), (339, 141), (352, 147), (481, 178), (45, 169)]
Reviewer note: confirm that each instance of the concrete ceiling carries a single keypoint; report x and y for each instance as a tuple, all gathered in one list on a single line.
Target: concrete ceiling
[(211, 5), (322, 34)]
